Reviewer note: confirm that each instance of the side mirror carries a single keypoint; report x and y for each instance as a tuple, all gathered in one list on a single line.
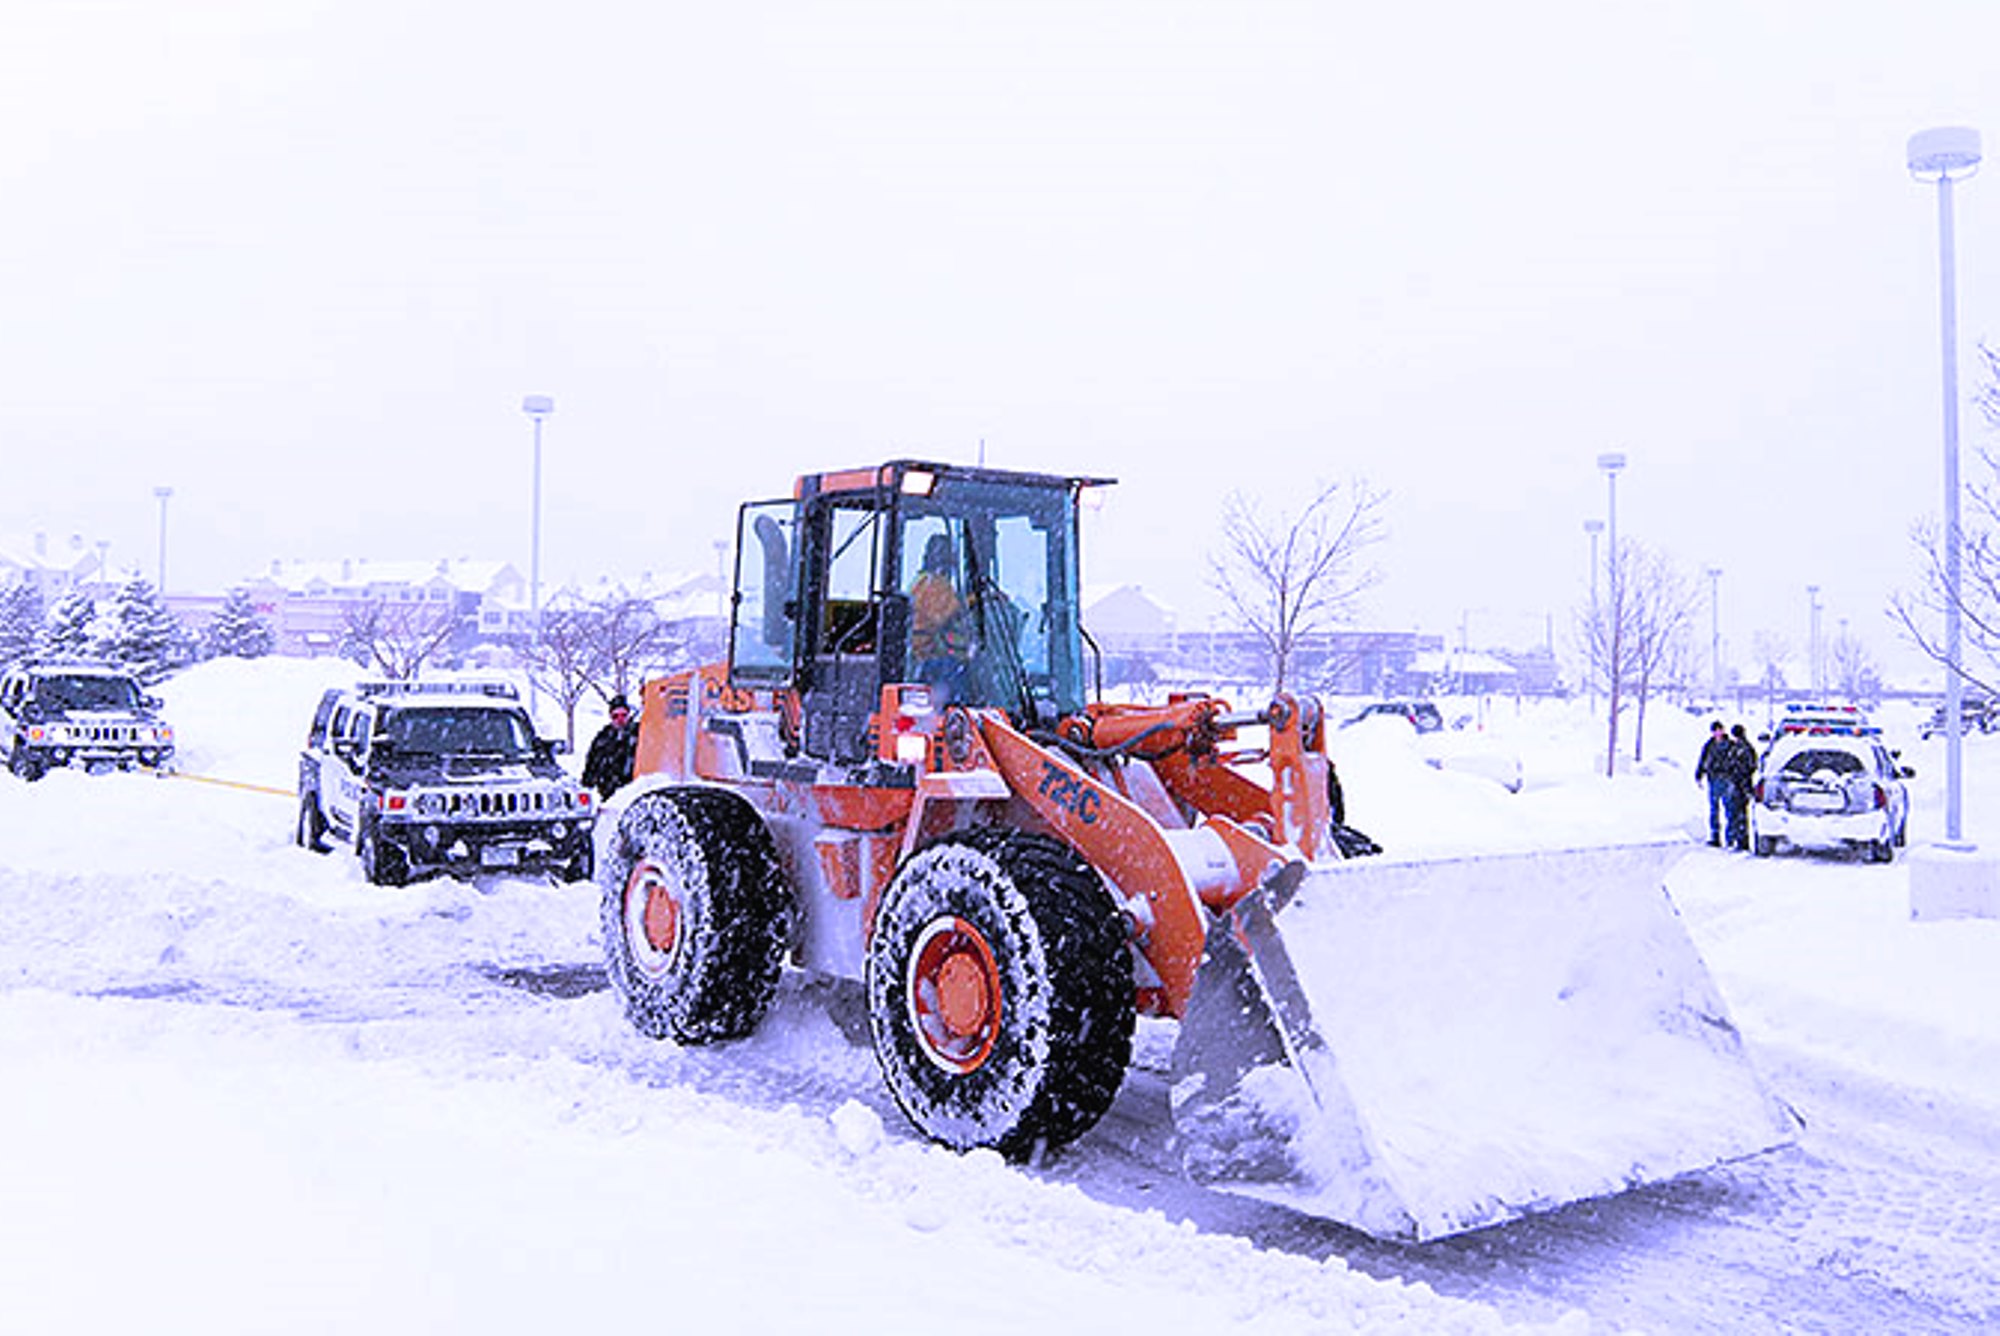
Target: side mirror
[(1907, 771), (556, 746), (153, 702)]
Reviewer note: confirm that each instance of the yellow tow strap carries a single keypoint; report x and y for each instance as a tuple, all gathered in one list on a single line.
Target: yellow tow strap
[(227, 783)]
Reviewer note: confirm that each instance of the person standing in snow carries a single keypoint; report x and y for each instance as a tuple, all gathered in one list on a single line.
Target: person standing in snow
[(1714, 767), (608, 765), (1742, 767)]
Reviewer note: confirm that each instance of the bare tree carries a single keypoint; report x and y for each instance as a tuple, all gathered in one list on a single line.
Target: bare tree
[(564, 660), (1978, 599), (1290, 576), (1770, 651), (397, 638), (603, 645), (1855, 673), (631, 638), (1660, 644), (1636, 637)]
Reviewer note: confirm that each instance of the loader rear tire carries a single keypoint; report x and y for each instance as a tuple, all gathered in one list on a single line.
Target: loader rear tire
[(1000, 992), (697, 915)]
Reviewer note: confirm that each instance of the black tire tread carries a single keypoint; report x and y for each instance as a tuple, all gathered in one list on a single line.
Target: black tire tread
[(1092, 997), (733, 976)]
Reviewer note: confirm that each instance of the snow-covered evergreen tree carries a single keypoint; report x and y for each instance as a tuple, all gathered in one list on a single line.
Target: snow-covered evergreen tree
[(67, 630), (20, 621), (140, 635), (239, 630)]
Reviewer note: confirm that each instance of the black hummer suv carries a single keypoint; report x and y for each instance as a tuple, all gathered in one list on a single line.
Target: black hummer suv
[(440, 776), (88, 715)]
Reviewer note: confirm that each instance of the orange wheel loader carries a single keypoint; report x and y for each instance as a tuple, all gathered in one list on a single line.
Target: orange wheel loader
[(899, 778)]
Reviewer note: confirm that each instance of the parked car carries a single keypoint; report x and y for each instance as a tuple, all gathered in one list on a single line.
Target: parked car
[(1830, 790), (1457, 748), (1421, 715), (1978, 715), (89, 715)]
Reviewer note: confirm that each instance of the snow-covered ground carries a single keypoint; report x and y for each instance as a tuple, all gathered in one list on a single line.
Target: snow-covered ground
[(247, 1092)]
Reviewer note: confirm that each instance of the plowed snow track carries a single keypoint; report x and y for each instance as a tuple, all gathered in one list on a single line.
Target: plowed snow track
[(1867, 1225)]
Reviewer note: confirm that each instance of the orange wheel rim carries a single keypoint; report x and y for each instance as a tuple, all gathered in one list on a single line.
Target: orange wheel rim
[(652, 917), (955, 995)]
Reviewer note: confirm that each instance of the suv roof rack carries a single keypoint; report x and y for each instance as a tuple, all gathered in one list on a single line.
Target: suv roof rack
[(439, 687)]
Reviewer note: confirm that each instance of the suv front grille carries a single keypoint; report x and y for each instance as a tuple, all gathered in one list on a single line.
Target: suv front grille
[(484, 804)]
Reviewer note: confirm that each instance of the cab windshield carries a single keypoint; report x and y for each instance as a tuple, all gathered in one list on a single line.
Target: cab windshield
[(990, 571)]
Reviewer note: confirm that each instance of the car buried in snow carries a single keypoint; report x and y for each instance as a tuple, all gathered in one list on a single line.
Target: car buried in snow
[(441, 776), (91, 716)]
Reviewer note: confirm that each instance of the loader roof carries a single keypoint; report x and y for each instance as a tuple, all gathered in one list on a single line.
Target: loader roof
[(919, 476)]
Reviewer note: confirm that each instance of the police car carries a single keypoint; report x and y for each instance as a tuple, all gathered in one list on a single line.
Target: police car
[(1827, 779), (89, 715), (438, 776)]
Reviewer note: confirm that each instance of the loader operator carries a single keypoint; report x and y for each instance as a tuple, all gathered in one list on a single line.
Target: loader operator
[(939, 637)]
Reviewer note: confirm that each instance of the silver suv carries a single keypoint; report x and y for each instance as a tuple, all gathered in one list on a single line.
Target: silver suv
[(440, 776), (88, 715)]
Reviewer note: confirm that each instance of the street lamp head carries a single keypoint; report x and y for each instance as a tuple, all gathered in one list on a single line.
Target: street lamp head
[(1611, 461), (163, 492), (1593, 526), (538, 405), (1946, 153)]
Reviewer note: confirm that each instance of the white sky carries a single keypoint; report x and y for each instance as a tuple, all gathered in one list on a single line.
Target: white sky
[(267, 253)]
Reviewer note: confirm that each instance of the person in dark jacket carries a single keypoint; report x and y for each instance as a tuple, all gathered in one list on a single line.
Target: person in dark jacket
[(607, 767), (1714, 767), (1742, 768)]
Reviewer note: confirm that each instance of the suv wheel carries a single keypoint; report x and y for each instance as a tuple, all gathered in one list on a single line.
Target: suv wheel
[(381, 862), (28, 764), (311, 832)]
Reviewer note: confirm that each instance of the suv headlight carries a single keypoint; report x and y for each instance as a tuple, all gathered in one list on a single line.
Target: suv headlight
[(431, 804)]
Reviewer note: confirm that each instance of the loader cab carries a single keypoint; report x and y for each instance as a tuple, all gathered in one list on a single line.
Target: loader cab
[(963, 578)]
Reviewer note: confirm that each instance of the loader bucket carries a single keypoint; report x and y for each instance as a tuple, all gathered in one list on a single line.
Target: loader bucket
[(1417, 1049)]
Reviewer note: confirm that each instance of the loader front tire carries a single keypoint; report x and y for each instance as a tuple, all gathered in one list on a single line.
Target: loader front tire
[(697, 915), (1000, 992)]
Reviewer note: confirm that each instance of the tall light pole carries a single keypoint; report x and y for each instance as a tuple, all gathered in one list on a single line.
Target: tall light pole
[(1714, 574), (163, 493), (1612, 462), (1813, 657), (1593, 528), (537, 407), (1944, 155)]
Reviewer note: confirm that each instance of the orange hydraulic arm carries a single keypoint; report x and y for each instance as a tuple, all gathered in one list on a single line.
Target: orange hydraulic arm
[(1237, 835)]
